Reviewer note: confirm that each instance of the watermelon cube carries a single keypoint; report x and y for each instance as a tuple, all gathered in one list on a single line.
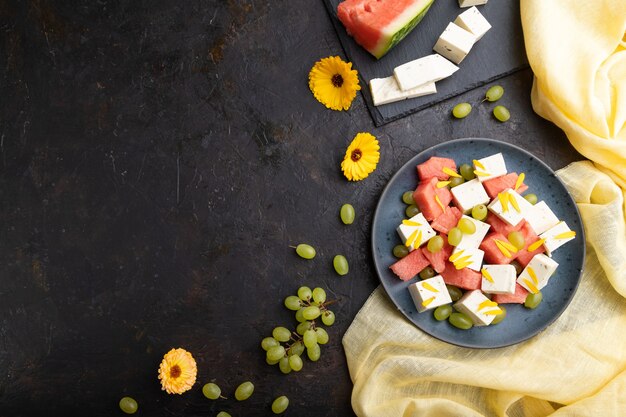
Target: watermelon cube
[(496, 185), (438, 259), (501, 226), (517, 298), (434, 168), (493, 254), (409, 266), (447, 220), (424, 197), (524, 256), (463, 278)]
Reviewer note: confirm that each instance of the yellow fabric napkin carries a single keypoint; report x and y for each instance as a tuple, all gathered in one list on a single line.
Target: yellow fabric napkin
[(576, 367)]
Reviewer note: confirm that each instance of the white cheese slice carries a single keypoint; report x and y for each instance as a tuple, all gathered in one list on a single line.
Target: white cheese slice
[(556, 237), (498, 279), (454, 43), (490, 167), (424, 70), (474, 22), (386, 90), (537, 273), (469, 194), (471, 258), (475, 305), (429, 293), (541, 218), (470, 3), (510, 213), (471, 241), (416, 231)]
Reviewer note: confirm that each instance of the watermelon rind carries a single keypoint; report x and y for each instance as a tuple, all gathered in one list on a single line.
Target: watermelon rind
[(400, 28)]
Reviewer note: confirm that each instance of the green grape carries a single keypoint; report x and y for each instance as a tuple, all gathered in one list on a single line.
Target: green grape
[(211, 391), (296, 349), (322, 336), (518, 267), (269, 342), (467, 172), (293, 303), (282, 334), (455, 292), (517, 239), (461, 321), (407, 198), (305, 251), (501, 113), (467, 226), (427, 272), (314, 352), (400, 251), (441, 313), (303, 327), (299, 316), (275, 353), (284, 366), (341, 264), (128, 405), (304, 293), (309, 338), (479, 212), (461, 110), (271, 362), (244, 391), (319, 295), (347, 214), (454, 236), (223, 414), (454, 181), (494, 93), (531, 198), (311, 312), (411, 211), (497, 319), (533, 300), (328, 318), (295, 362), (435, 244), (280, 404)]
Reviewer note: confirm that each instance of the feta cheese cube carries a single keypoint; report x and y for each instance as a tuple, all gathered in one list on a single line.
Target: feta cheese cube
[(470, 3), (490, 167), (537, 273), (477, 307), (498, 279), (424, 70), (474, 22), (515, 208), (471, 258), (415, 232), (455, 43), (541, 218), (429, 293), (386, 90), (468, 195), (556, 237), (472, 241)]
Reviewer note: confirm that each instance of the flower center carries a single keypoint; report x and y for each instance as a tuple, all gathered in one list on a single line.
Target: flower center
[(175, 371), (337, 80), (356, 155)]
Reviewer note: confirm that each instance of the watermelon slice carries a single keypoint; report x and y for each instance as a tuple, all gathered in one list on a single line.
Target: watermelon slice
[(518, 297), (501, 226), (438, 259), (424, 197), (378, 25), (524, 256), (447, 220), (496, 185), (434, 168), (409, 266), (463, 278), (493, 255)]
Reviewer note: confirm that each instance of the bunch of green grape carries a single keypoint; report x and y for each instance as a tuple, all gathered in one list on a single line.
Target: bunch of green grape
[(284, 347)]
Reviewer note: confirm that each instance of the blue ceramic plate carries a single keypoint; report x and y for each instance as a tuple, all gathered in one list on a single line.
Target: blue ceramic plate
[(520, 323)]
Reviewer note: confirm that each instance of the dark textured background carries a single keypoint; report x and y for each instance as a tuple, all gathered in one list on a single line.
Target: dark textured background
[(157, 159)]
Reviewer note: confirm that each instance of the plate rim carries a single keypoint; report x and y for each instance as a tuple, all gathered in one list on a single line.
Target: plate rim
[(453, 142)]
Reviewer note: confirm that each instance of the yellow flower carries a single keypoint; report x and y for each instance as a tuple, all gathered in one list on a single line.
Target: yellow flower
[(334, 83), (361, 157), (177, 371)]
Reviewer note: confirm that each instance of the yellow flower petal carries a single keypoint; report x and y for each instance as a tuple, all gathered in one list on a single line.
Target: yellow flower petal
[(361, 157), (334, 83), (177, 371)]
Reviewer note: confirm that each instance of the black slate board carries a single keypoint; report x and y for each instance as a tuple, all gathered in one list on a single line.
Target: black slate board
[(500, 52)]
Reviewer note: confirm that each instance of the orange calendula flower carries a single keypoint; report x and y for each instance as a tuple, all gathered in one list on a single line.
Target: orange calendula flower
[(361, 157), (177, 371), (334, 83)]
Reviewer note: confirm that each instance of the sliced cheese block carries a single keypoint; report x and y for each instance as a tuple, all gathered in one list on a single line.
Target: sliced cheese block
[(473, 21), (470, 3), (428, 69), (386, 90), (455, 43)]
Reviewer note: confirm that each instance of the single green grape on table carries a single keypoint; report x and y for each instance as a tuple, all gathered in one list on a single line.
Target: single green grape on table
[(467, 172), (275, 353), (314, 352), (441, 313), (319, 295), (244, 391), (283, 365), (427, 272), (517, 239), (305, 251), (533, 300), (460, 321), (128, 405), (461, 110), (269, 342), (340, 263), (211, 391), (322, 336), (292, 302), (400, 251), (455, 292), (282, 334), (479, 212), (494, 93), (454, 236), (411, 211), (296, 349), (328, 318), (347, 214), (295, 362), (299, 317), (304, 293), (309, 338), (454, 181), (531, 198), (303, 327), (280, 404), (407, 198), (501, 113), (467, 226), (497, 319), (435, 244), (311, 312), (223, 414)]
